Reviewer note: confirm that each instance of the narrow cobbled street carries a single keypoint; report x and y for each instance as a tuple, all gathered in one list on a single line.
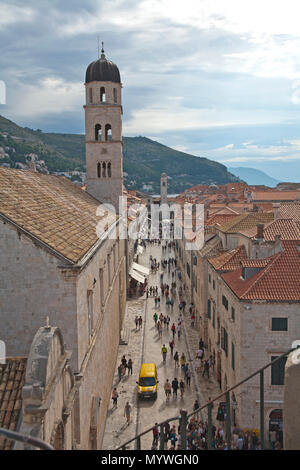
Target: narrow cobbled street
[(144, 345)]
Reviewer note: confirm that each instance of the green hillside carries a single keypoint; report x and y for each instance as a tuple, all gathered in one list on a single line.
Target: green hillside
[(144, 159)]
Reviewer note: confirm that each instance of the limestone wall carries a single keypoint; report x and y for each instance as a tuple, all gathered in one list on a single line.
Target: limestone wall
[(33, 287)]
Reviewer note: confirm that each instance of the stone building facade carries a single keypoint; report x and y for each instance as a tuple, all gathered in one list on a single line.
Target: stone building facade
[(253, 315), (58, 266), (49, 392)]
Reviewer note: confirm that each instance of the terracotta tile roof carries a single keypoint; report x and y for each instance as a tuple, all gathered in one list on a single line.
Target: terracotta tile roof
[(220, 219), (12, 379), (52, 209), (278, 281), (255, 263), (275, 195), (212, 247), (229, 260), (290, 211), (246, 221), (286, 228)]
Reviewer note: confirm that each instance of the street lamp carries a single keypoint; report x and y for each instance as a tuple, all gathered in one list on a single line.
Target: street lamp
[(234, 407)]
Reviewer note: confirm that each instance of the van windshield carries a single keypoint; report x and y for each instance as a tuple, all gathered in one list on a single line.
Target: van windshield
[(147, 381)]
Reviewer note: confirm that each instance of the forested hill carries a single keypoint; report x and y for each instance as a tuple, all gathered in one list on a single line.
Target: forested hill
[(144, 159)]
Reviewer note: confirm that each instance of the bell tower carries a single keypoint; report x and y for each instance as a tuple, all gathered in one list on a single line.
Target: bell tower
[(103, 131)]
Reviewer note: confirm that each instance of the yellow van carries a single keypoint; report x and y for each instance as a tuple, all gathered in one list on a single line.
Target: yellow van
[(147, 384)]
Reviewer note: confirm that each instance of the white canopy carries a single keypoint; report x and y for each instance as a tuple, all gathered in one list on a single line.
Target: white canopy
[(140, 268), (140, 249), (137, 276)]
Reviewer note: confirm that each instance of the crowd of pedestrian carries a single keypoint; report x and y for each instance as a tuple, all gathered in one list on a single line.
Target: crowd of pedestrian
[(197, 437)]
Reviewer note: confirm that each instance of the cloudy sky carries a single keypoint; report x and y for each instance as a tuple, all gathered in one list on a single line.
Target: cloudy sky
[(214, 78)]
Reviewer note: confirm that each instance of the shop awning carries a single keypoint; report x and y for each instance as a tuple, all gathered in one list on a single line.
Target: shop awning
[(137, 276), (141, 269), (140, 249)]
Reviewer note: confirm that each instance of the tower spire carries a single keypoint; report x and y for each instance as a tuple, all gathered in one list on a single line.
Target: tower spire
[(102, 51)]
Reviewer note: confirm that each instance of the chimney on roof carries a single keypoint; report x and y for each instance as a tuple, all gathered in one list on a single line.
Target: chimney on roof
[(276, 208), (260, 232)]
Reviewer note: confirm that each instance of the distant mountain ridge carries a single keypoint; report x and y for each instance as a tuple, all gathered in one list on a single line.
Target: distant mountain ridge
[(144, 159), (252, 176)]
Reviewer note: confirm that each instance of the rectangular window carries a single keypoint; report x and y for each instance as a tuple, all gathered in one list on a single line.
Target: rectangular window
[(214, 284), (188, 269), (208, 308), (209, 278), (214, 317), (90, 95), (232, 314), (90, 311), (232, 356), (102, 299), (225, 302), (277, 371), (279, 324), (224, 340)]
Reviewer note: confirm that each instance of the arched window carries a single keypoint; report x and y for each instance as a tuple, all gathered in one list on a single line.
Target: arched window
[(108, 133), (99, 170), (115, 95), (109, 170), (102, 95), (98, 132), (104, 170)]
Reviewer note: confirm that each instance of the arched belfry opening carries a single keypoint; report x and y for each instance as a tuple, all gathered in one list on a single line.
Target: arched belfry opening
[(102, 95), (99, 170), (104, 170), (98, 132), (109, 170), (108, 132)]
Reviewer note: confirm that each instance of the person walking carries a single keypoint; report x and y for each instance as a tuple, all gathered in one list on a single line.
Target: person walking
[(114, 397), (188, 377), (206, 369), (160, 330), (155, 318), (167, 388), (196, 408), (155, 436), (136, 322), (176, 359), (182, 387), (173, 329), (175, 386), (140, 322), (171, 344), (127, 411), (179, 330), (164, 352), (182, 360), (129, 366), (120, 371)]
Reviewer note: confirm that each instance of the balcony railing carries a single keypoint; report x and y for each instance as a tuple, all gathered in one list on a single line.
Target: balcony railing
[(29, 440), (184, 416)]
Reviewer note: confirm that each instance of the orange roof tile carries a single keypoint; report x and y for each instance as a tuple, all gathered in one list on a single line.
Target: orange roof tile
[(275, 195), (12, 379), (278, 281), (246, 221), (229, 260)]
